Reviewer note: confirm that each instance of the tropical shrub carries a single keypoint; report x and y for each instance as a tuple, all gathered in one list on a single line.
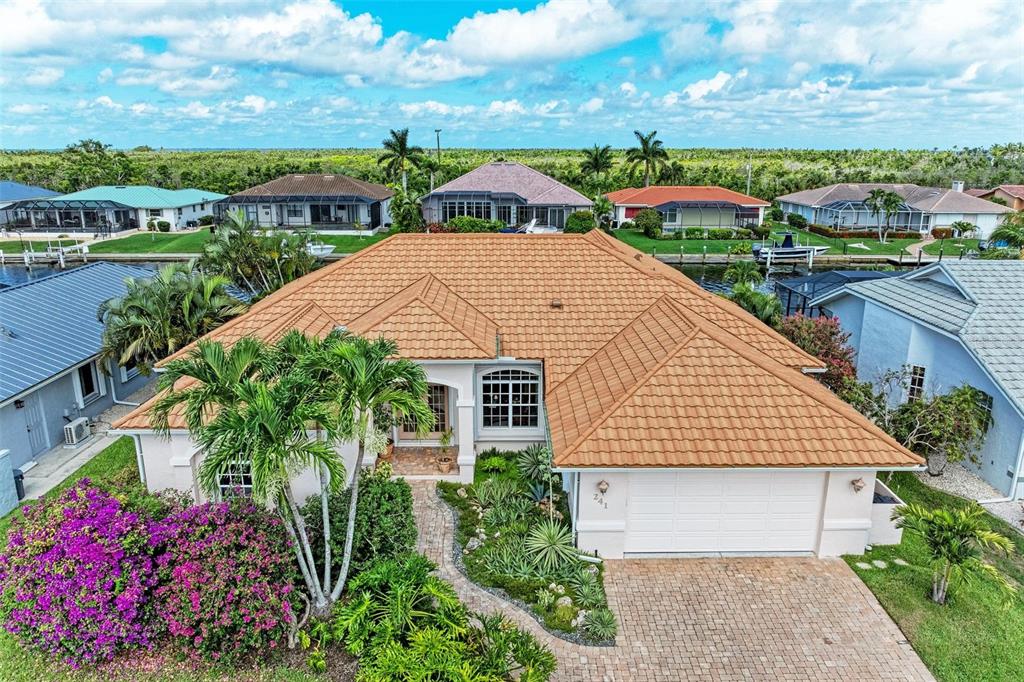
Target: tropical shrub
[(77, 576), (163, 226), (695, 233), (534, 463), (775, 213), (600, 624), (824, 338), (495, 491), (649, 222), (627, 225), (942, 232), (963, 228), (494, 464), (764, 306), (465, 223), (741, 249), (955, 539), (760, 231), (579, 222), (796, 220), (226, 573), (550, 544), (720, 233), (385, 527), (206, 220)]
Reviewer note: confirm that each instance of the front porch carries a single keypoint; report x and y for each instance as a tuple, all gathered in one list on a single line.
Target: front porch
[(423, 463)]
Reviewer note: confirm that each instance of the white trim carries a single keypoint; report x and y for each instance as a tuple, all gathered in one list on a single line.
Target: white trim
[(81, 399), (125, 377), (920, 467), (509, 432), (45, 382)]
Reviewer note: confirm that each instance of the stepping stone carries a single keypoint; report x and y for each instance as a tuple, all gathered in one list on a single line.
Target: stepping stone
[(880, 564), (863, 565), (900, 562)]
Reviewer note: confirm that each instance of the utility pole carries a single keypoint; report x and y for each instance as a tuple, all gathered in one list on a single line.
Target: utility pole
[(437, 131), (749, 160)]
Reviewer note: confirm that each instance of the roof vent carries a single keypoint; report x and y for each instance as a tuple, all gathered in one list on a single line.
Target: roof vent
[(556, 303), (299, 177), (328, 177)]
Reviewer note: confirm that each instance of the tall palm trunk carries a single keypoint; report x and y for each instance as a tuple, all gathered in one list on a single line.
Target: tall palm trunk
[(319, 598), (405, 180), (326, 516), (350, 529), (431, 181)]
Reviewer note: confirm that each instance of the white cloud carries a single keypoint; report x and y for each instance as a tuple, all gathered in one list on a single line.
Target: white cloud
[(628, 89), (354, 80), (553, 30), (27, 109), (43, 76), (686, 42), (195, 109), (510, 107), (592, 106), (340, 102), (434, 108), (218, 79), (104, 75), (256, 104), (107, 103), (700, 89), (142, 109)]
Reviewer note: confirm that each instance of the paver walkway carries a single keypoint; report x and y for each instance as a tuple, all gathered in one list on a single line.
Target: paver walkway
[(710, 619)]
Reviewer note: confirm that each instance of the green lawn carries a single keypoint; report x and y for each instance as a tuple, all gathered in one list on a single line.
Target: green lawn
[(951, 247), (671, 246), (15, 246), (975, 636), (192, 242), (20, 665)]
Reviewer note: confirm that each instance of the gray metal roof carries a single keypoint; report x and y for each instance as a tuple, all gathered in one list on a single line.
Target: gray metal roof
[(926, 199), (981, 302), (534, 187), (49, 325)]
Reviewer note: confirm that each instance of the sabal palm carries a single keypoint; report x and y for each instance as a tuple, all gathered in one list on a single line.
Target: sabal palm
[(365, 376), (650, 154), (955, 539), (743, 272), (596, 160), (157, 316), (398, 154)]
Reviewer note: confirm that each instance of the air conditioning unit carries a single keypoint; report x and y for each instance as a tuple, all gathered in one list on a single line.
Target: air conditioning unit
[(76, 431)]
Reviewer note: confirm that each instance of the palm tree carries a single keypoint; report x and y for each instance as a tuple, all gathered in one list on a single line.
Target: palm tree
[(596, 160), (955, 539), (743, 272), (604, 211), (765, 307), (406, 212), (883, 202), (650, 154), (432, 166), (398, 155), (365, 377), (157, 316), (1011, 231)]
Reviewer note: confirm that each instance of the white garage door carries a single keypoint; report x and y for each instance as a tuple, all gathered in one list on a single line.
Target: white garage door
[(726, 511)]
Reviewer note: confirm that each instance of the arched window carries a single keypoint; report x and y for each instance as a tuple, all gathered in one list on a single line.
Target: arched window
[(511, 399)]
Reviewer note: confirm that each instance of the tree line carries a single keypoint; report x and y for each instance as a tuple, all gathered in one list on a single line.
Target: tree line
[(591, 171)]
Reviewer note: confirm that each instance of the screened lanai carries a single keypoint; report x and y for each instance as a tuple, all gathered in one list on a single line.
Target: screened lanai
[(100, 216), (854, 215), (681, 214)]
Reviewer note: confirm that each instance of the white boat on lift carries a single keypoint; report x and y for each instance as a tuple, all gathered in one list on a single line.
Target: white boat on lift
[(787, 252)]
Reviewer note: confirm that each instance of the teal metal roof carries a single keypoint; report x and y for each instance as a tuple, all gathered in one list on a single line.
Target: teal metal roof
[(142, 196)]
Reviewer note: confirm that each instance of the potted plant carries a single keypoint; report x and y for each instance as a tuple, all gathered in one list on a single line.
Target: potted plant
[(445, 460)]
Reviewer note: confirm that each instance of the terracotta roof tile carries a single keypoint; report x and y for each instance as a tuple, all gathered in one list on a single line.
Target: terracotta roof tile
[(633, 351)]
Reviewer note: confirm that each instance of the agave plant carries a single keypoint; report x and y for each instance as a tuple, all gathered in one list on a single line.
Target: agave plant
[(535, 464), (495, 491), (600, 624), (590, 596), (550, 544), (581, 578), (508, 512)]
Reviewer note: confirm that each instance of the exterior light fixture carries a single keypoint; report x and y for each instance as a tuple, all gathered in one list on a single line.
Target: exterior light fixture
[(602, 487), (858, 484)]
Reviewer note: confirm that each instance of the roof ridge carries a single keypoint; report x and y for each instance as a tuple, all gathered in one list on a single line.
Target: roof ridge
[(816, 391), (626, 395), (440, 313)]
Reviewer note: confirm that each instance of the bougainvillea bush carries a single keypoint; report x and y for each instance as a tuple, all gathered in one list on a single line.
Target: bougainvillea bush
[(77, 577), (226, 575)]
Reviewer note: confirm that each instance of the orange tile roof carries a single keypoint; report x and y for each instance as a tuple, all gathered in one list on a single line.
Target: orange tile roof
[(662, 194), (622, 352)]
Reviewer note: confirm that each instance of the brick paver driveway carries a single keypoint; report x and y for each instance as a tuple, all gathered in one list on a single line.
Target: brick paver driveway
[(711, 619)]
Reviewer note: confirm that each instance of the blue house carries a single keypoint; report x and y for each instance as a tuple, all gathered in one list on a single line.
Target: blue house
[(951, 323), (11, 192), (50, 377)]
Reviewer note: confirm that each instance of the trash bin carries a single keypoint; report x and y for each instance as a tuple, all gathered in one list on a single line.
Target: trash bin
[(19, 483)]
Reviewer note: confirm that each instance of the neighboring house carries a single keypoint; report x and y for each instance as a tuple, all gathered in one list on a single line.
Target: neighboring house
[(952, 322), (311, 200), (1013, 195), (113, 208), (507, 191), (842, 207), (49, 341), (679, 423), (11, 192), (689, 206), (796, 293)]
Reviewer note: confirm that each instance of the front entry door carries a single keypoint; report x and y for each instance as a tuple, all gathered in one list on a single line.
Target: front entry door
[(437, 398), (34, 424)]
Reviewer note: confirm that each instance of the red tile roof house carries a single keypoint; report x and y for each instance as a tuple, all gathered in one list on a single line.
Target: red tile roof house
[(503, 190), (1013, 195), (689, 206), (680, 424), (330, 203)]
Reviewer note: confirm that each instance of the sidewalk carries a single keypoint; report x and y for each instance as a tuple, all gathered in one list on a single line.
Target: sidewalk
[(59, 462)]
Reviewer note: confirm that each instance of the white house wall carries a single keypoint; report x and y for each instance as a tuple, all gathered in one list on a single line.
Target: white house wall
[(885, 340)]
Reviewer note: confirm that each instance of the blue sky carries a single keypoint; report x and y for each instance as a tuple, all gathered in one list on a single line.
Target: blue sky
[(562, 73)]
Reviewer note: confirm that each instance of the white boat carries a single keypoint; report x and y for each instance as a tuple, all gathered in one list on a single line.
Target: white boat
[(787, 251), (319, 250)]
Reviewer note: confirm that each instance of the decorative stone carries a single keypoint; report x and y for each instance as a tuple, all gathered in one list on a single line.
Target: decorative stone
[(880, 564), (461, 492), (900, 562), (863, 565), (472, 544), (564, 601)]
